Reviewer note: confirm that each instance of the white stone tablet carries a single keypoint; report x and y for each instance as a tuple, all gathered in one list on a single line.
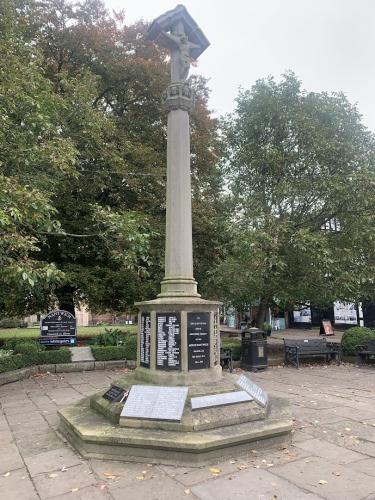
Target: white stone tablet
[(258, 394), (155, 402), (226, 398)]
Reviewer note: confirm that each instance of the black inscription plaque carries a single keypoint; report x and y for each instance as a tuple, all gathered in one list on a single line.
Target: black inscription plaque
[(168, 341), (198, 330), (115, 394), (58, 328), (145, 336)]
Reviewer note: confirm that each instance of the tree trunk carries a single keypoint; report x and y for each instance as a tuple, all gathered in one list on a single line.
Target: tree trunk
[(65, 298), (262, 312)]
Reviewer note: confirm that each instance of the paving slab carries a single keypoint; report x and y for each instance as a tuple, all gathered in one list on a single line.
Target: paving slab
[(333, 433), (58, 483), (10, 458), (17, 486), (53, 460), (327, 479), (251, 484), (81, 354), (336, 454)]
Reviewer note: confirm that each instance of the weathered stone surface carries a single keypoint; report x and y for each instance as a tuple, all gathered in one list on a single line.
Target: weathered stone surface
[(248, 484), (93, 435), (17, 486), (80, 354), (330, 451), (327, 479), (75, 367), (303, 467), (52, 461), (57, 483), (10, 458)]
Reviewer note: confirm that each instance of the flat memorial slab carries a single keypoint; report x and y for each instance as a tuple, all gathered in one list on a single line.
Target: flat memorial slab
[(258, 394), (226, 398), (155, 402)]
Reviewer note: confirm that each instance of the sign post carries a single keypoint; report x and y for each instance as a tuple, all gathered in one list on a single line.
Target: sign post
[(58, 328)]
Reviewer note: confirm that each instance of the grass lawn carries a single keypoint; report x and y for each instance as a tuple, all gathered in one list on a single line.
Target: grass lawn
[(83, 331)]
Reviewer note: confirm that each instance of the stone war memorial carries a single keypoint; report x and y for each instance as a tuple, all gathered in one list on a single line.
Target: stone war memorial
[(177, 407)]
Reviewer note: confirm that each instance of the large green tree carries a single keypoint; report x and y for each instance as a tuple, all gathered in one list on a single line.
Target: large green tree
[(298, 162), (107, 189)]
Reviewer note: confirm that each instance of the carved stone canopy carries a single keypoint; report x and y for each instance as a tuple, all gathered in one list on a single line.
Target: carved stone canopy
[(168, 21)]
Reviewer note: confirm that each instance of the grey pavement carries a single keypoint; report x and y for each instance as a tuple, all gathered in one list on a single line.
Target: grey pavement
[(332, 455)]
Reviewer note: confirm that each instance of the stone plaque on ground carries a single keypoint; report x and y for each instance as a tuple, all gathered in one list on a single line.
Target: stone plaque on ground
[(145, 337), (58, 328), (198, 331), (115, 394), (155, 402), (257, 393), (168, 341), (226, 398)]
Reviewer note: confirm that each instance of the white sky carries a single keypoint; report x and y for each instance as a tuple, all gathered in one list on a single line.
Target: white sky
[(329, 44)]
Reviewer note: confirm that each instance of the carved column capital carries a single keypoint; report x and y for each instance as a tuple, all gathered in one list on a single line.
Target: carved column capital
[(179, 95)]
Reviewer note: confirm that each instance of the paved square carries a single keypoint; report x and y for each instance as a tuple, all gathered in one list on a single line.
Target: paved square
[(332, 455)]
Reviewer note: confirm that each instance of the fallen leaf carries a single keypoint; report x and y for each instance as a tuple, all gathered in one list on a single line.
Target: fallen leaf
[(140, 478), (7, 474), (322, 481), (215, 470)]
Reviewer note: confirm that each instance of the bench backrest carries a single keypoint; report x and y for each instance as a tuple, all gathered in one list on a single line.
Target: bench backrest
[(369, 344), (307, 344)]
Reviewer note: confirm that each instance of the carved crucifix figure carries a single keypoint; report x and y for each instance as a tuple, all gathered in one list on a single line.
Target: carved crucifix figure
[(177, 31), (180, 46)]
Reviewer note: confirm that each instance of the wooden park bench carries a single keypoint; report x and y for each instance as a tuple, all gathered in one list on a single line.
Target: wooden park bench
[(294, 350), (226, 358), (366, 351)]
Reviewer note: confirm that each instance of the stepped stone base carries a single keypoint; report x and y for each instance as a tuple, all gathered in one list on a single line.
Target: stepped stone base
[(94, 427)]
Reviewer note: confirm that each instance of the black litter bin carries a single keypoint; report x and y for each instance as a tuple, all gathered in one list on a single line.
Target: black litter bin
[(254, 350)]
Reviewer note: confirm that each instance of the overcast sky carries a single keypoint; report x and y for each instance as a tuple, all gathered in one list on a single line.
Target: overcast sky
[(329, 44)]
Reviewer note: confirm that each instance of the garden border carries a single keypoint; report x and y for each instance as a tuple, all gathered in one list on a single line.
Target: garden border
[(80, 366)]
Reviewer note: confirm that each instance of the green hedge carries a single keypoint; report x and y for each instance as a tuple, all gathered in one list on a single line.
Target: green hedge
[(55, 357), (15, 341), (10, 363), (108, 353), (234, 344), (126, 351), (30, 354), (355, 336)]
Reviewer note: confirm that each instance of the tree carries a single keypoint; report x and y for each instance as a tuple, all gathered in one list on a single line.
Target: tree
[(55, 219), (296, 162), (104, 84)]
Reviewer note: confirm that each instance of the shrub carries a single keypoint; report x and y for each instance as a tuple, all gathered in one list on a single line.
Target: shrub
[(4, 353), (233, 344), (110, 337), (10, 323), (55, 356), (108, 353), (15, 341), (10, 363), (355, 336), (29, 352)]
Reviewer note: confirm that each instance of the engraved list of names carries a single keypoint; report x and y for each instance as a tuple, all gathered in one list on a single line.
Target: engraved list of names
[(145, 339), (168, 341)]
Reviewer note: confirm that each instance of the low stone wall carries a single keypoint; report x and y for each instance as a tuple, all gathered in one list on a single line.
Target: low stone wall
[(14, 376)]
